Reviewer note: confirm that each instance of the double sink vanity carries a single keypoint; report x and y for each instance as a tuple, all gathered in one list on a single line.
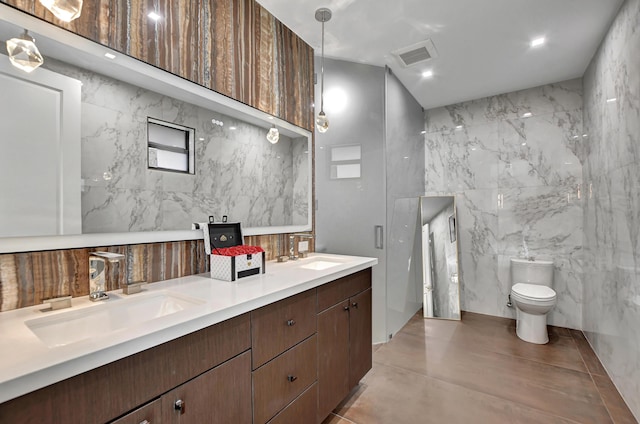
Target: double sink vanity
[(282, 347)]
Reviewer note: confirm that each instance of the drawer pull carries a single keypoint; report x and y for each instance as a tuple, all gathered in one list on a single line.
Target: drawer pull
[(145, 422), (291, 323), (292, 378), (346, 308), (179, 406), (355, 305)]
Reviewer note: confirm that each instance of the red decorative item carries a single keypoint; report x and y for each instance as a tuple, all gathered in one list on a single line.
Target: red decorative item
[(238, 250)]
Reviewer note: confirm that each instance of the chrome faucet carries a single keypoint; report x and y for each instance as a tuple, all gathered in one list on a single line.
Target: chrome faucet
[(97, 268), (292, 238)]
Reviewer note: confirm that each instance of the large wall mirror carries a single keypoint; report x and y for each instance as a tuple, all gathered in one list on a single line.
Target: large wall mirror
[(439, 255), (78, 167)]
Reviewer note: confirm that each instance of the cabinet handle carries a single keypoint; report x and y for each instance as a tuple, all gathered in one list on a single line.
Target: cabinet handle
[(346, 308), (292, 378), (179, 406), (355, 305), (145, 422), (291, 323)]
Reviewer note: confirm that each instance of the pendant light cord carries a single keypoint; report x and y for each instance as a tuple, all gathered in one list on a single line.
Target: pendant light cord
[(322, 73)]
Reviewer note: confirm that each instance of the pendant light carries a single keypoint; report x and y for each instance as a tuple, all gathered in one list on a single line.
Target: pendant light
[(65, 10), (322, 123), (23, 52), (273, 135)]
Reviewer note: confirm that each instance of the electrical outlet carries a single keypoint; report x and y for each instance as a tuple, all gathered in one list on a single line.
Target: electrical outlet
[(303, 246)]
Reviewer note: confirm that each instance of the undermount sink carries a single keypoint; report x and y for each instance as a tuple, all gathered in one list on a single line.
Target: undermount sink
[(320, 263), (93, 322)]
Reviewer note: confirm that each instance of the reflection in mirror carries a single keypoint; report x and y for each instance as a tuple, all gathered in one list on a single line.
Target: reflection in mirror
[(237, 172), (439, 253)]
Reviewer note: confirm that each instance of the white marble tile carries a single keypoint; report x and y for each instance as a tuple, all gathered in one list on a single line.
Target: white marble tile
[(477, 212)]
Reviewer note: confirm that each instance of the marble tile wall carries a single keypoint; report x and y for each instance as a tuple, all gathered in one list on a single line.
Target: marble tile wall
[(237, 172), (517, 181), (611, 174)]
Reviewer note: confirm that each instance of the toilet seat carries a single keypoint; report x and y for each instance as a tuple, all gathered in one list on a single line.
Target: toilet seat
[(533, 292)]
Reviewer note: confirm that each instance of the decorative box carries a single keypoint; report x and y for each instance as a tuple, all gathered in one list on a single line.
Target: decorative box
[(230, 258)]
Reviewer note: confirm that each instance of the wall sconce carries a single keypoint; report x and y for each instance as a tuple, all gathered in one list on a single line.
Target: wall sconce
[(65, 10), (23, 52), (322, 123), (273, 135)]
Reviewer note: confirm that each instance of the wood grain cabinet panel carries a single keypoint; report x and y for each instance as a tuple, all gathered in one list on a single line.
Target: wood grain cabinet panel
[(281, 325), (333, 357), (235, 47), (360, 337), (150, 413), (219, 396), (343, 288), (280, 381), (302, 410)]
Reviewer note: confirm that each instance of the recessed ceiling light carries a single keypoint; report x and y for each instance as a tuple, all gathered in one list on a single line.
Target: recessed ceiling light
[(232, 128), (611, 100), (427, 74), (537, 42), (110, 55), (527, 115), (154, 16)]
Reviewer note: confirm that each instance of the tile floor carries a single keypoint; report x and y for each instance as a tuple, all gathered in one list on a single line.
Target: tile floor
[(477, 370)]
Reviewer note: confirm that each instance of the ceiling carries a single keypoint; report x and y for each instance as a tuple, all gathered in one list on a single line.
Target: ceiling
[(483, 46)]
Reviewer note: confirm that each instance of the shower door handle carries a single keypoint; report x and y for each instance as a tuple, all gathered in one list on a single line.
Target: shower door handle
[(379, 237)]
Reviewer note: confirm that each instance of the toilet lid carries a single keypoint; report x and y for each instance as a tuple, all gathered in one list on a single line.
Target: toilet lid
[(533, 291)]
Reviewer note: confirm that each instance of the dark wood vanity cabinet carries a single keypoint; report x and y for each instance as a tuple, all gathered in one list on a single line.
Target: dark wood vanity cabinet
[(344, 338), (289, 362)]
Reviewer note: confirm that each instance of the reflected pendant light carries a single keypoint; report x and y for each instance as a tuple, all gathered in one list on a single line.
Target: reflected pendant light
[(65, 10), (322, 123), (273, 135), (23, 52)]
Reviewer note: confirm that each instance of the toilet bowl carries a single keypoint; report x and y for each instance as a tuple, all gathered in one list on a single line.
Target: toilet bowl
[(533, 297)]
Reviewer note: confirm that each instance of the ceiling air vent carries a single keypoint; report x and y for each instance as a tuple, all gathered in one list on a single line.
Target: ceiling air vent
[(416, 53)]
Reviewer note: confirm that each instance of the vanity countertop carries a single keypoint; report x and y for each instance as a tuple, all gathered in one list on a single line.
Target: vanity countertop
[(28, 363)]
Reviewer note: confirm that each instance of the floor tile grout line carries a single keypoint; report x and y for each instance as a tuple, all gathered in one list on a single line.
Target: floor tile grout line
[(485, 393)]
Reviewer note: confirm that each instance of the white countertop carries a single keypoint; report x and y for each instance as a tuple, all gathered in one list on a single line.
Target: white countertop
[(28, 364)]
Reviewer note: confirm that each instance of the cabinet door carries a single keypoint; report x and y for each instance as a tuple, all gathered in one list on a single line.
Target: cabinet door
[(221, 395), (333, 357), (360, 344)]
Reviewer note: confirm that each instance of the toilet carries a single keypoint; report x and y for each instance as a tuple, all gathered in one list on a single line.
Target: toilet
[(533, 297)]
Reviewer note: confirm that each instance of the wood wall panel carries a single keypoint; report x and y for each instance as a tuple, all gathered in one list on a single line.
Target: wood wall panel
[(234, 47)]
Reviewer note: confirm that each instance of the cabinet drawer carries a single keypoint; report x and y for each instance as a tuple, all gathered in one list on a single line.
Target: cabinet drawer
[(280, 381), (301, 410), (277, 327), (147, 414), (343, 288)]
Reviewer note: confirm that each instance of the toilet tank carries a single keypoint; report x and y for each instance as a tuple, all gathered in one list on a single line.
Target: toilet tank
[(531, 272)]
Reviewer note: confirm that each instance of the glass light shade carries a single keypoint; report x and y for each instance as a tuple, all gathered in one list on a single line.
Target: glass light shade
[(65, 10), (23, 53), (273, 135), (322, 123)]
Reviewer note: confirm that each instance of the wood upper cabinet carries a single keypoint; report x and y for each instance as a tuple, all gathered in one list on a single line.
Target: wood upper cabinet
[(344, 338), (219, 396), (235, 47)]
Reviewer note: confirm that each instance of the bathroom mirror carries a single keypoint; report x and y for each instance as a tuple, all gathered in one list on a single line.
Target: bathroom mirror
[(106, 192), (439, 257)]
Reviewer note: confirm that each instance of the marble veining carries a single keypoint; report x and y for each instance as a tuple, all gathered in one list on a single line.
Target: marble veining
[(518, 183), (237, 172), (611, 218)]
